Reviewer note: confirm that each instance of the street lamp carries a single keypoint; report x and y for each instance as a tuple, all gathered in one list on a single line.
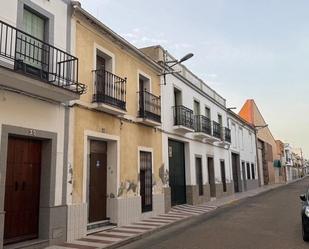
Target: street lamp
[(167, 65), (231, 108), (175, 62), (260, 126)]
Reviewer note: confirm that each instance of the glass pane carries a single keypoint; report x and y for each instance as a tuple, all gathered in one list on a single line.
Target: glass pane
[(32, 49)]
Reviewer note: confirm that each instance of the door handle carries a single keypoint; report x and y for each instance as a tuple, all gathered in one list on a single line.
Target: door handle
[(16, 186)]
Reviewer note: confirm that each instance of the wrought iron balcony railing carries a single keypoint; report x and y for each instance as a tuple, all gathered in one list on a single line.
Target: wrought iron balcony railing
[(36, 58), (216, 130), (183, 116), (109, 89), (202, 124), (149, 106), (227, 134)]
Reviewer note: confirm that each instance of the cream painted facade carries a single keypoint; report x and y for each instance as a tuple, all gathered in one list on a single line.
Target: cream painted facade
[(126, 134)]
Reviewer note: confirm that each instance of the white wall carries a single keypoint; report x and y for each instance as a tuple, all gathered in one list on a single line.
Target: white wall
[(22, 111), (195, 146), (243, 142)]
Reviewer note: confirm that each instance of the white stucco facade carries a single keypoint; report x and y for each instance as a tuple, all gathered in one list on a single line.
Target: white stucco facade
[(243, 146), (193, 96)]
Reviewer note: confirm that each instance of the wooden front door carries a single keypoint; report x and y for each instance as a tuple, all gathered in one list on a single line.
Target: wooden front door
[(22, 190), (97, 181), (235, 169), (146, 180), (211, 176), (223, 177), (177, 177)]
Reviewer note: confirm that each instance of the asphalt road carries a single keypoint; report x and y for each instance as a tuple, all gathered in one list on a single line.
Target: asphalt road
[(270, 220)]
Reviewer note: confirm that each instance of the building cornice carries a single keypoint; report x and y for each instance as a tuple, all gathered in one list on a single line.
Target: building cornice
[(240, 119), (107, 31)]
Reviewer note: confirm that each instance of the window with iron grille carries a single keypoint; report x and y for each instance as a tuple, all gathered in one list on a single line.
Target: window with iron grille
[(146, 180), (248, 171)]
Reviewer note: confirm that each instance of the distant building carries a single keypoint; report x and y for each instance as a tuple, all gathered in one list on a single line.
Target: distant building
[(266, 143), (280, 175), (288, 162), (298, 160)]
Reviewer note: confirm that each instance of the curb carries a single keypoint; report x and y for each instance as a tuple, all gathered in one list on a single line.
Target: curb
[(147, 234)]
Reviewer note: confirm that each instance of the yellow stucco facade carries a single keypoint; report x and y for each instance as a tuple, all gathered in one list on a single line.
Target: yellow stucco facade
[(132, 134)]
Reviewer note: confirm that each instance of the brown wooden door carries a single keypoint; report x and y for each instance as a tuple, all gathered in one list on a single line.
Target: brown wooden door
[(211, 176), (22, 190), (97, 182), (223, 176)]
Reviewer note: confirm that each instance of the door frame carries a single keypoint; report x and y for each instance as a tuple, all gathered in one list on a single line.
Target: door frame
[(113, 169), (237, 168), (48, 174), (88, 182), (214, 175)]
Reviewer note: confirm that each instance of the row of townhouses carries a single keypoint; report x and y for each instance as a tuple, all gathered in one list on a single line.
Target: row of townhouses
[(95, 131)]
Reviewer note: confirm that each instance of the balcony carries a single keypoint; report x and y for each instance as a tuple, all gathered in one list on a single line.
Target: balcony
[(149, 108), (227, 135), (216, 130), (109, 92), (35, 67), (183, 119), (202, 127)]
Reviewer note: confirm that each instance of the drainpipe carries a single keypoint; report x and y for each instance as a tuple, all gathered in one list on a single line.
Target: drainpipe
[(257, 158)]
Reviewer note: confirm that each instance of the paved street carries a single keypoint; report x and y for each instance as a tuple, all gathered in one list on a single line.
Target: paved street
[(270, 220)]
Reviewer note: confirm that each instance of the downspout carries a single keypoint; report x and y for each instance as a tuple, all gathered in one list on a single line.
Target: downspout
[(66, 118), (257, 158)]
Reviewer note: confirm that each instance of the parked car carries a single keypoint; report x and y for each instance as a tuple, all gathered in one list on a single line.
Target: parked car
[(305, 215)]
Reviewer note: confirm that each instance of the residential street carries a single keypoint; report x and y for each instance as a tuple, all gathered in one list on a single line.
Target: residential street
[(267, 221)]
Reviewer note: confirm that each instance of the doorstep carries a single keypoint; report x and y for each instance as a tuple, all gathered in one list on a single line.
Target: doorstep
[(119, 236), (31, 244)]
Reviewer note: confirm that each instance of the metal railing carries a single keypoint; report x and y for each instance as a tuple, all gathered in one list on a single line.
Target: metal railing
[(149, 106), (183, 116), (227, 134), (109, 89), (37, 58), (216, 130), (202, 124)]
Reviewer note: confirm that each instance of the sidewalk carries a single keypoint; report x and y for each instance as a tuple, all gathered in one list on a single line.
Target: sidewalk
[(119, 236)]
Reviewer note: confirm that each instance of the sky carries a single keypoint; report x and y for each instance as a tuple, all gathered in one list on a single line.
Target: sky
[(257, 49)]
